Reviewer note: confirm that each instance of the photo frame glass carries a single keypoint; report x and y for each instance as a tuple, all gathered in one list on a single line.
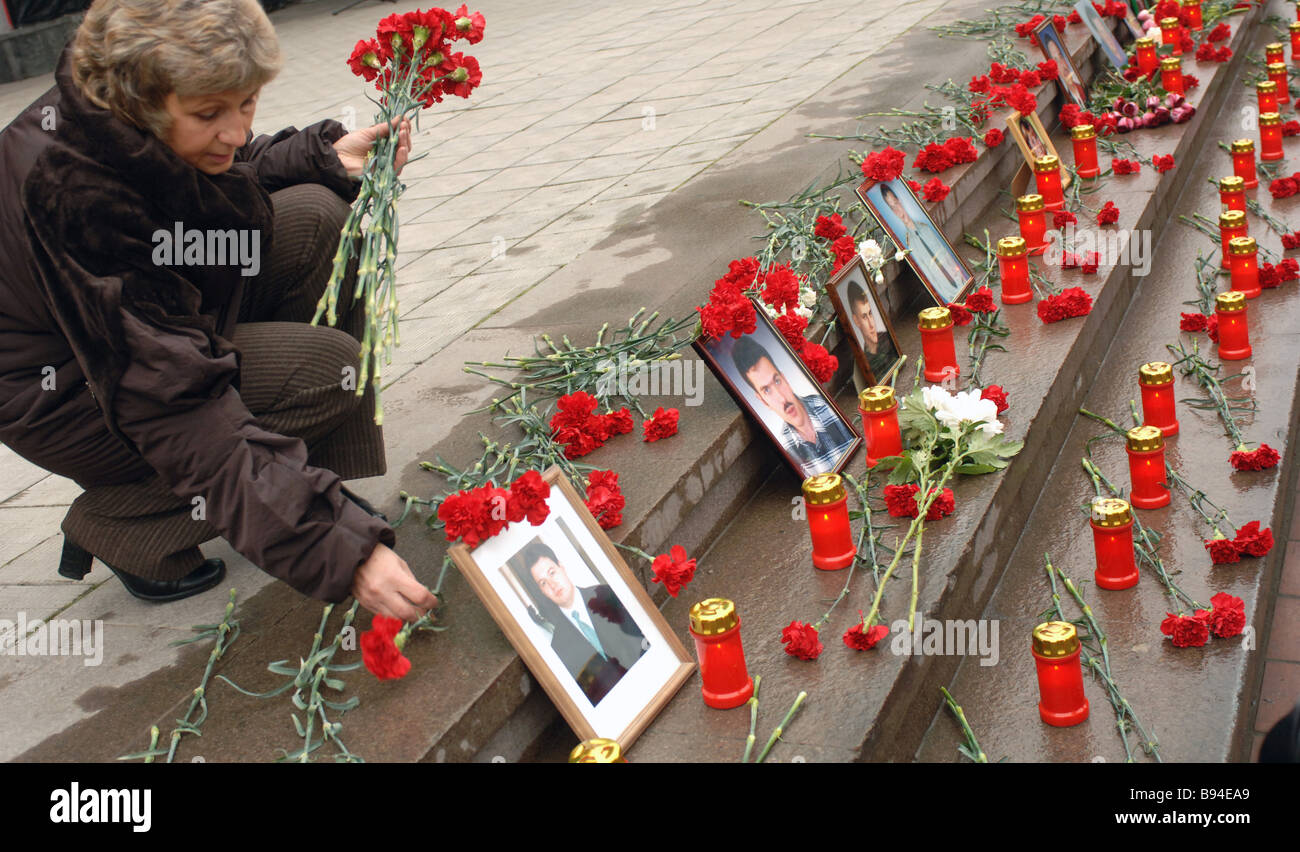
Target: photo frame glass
[(1034, 141), (769, 380), (865, 322), (942, 271), (578, 617), (1069, 78), (1102, 34)]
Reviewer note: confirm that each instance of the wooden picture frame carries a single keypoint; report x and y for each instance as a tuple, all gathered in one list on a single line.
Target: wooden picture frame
[(1028, 130), (1102, 34), (942, 271), (1068, 77), (863, 307), (789, 390), (629, 686)]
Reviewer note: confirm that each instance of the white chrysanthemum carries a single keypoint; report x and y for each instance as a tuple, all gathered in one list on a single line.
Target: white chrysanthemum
[(806, 313), (808, 297), (872, 253), (964, 407)]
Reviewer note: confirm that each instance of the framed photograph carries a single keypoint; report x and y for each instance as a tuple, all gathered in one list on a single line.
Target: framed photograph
[(898, 211), (1102, 33), (1131, 19), (1034, 141), (865, 322), (769, 381), (579, 618), (1053, 48)]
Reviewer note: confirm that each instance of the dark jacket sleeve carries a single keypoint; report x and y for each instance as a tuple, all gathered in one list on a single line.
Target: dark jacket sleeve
[(177, 405), (294, 156)]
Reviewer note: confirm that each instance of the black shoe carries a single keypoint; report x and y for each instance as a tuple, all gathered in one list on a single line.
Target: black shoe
[(364, 505), (75, 564)]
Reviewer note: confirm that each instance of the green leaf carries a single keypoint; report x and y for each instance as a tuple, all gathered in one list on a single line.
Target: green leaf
[(976, 469), (297, 724)]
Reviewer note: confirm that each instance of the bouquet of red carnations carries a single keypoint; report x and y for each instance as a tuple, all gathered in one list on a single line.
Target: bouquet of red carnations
[(411, 63)]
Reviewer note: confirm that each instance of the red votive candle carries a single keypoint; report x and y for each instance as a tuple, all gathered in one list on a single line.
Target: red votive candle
[(1234, 335), (1171, 74), (1294, 27), (1112, 542), (1013, 269), (1266, 92), (598, 750), (937, 344), (1245, 266), (715, 627), (1270, 136), (1147, 58), (1171, 34), (1084, 139), (1273, 53), (1194, 19), (1061, 701), (1047, 175), (1033, 222), (879, 411), (1277, 73), (1232, 224), (827, 507), (1232, 194), (1158, 408), (1146, 468), (1243, 162)]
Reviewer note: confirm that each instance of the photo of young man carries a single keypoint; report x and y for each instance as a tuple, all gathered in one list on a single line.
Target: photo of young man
[(910, 227), (868, 325)]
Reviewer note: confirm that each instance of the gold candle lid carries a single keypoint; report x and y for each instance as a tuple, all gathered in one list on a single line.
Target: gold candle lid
[(1012, 247), (1141, 439), (878, 398), (1277, 67), (1155, 373), (1168, 23), (1144, 42), (822, 489), (1243, 146), (1232, 219), (1274, 47), (1191, 2), (1241, 245), (932, 318), (1267, 87), (1230, 302), (1233, 183), (599, 750), (1047, 163), (1056, 638), (713, 616), (1029, 203), (1268, 119), (1294, 26), (1171, 63), (1111, 512), (1083, 131)]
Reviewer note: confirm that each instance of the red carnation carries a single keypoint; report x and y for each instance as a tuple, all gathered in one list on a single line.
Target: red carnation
[(781, 287), (980, 85), (935, 190), (900, 500), (998, 395), (915, 187), (884, 165), (1289, 269), (1071, 302), (960, 316), (673, 569), (859, 640), (1187, 631), (604, 499), (993, 138), (1291, 241), (821, 363), (1048, 70), (830, 227), (1090, 263), (981, 301), (792, 326), (662, 425), (469, 26), (1228, 616), (801, 641), (844, 249), (366, 59), (1021, 100), (1223, 551), (933, 158), (1212, 327), (1190, 82), (475, 515), (1125, 167), (1108, 215), (1163, 163), (1030, 79), (528, 495), (1061, 218), (1220, 32), (380, 653), (1252, 541), (1192, 322), (1284, 187), (961, 149), (1269, 276)]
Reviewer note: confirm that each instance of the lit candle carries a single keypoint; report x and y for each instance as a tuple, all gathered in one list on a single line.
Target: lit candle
[(1232, 224), (1270, 136), (715, 627), (1273, 53), (1234, 335), (1245, 266), (827, 507), (1171, 74), (1146, 468), (1047, 174), (1013, 269), (1266, 91), (937, 344), (598, 750), (1033, 222), (1084, 138), (1147, 58), (1158, 409), (1294, 27), (1277, 73), (1060, 676), (1194, 19), (1112, 542), (1232, 194), (1243, 162), (1171, 34), (879, 412)]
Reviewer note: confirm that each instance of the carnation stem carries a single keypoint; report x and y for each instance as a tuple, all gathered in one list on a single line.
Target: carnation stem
[(971, 749), (753, 719), (780, 729)]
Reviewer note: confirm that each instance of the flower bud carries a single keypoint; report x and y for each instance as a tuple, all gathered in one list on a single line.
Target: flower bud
[(460, 75), (420, 37), (464, 24)]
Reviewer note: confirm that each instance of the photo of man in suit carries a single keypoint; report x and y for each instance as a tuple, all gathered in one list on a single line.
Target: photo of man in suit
[(933, 258), (594, 635)]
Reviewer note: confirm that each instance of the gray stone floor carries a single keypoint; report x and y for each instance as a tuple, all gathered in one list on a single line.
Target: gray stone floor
[(588, 113)]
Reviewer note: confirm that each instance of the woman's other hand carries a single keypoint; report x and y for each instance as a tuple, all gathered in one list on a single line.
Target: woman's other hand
[(353, 147), (385, 585)]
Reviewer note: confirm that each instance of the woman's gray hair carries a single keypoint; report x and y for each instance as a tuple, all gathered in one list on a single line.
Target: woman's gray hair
[(129, 55)]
